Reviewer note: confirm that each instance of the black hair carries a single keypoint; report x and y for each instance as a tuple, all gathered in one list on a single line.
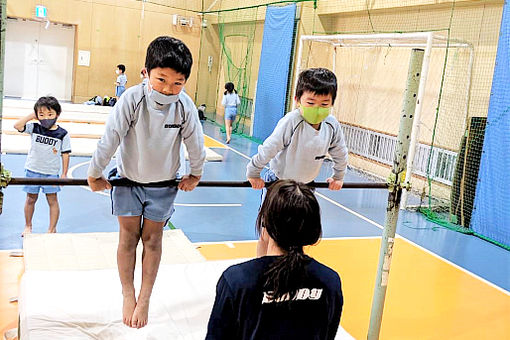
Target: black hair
[(121, 67), (229, 87), (169, 52), (290, 215), (319, 81), (49, 103)]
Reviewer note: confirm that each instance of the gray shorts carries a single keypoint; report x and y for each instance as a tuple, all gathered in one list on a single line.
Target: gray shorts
[(156, 204)]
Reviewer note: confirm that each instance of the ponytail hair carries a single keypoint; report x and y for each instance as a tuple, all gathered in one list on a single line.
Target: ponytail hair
[(290, 214), (229, 87)]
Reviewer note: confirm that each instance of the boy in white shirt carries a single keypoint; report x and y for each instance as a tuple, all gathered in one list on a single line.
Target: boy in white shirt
[(147, 126)]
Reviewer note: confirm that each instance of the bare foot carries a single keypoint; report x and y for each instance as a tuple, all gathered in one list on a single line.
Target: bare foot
[(140, 315), (128, 307), (52, 231), (28, 230)]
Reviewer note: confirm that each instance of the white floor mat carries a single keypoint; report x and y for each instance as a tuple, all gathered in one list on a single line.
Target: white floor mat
[(71, 290), (94, 251)]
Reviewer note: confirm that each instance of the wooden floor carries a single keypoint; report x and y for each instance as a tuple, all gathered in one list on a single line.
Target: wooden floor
[(11, 269)]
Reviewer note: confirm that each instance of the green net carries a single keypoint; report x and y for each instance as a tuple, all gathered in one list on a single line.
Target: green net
[(237, 33), (231, 44)]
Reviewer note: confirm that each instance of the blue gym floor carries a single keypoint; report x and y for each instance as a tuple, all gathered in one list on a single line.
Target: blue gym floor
[(347, 213)]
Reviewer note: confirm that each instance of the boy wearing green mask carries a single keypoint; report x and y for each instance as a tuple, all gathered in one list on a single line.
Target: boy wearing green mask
[(298, 145)]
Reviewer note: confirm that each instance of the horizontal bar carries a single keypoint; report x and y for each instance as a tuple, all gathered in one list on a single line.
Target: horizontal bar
[(229, 184)]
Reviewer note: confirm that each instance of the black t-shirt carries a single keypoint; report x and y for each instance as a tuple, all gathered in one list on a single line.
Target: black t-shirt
[(242, 310)]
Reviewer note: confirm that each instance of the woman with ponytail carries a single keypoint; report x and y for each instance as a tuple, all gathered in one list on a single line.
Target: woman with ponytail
[(284, 294)]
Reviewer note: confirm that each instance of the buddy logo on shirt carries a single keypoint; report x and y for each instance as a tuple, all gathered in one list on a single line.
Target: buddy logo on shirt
[(173, 126), (302, 294), (46, 140)]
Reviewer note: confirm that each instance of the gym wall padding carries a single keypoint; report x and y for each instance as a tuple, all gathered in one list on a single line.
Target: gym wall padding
[(491, 217), (273, 69)]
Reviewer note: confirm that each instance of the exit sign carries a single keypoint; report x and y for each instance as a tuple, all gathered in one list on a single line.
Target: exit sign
[(41, 12)]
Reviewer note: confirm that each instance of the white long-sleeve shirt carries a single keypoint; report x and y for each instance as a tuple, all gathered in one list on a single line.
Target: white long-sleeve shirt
[(148, 137), (296, 150)]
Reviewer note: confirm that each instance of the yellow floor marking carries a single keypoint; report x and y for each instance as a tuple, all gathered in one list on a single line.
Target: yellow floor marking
[(222, 251), (426, 299), (213, 143)]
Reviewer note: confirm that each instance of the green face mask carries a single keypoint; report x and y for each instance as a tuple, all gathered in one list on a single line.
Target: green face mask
[(315, 114)]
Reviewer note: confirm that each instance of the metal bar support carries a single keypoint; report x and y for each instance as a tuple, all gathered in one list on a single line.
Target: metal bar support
[(415, 134), (396, 181), (3, 27)]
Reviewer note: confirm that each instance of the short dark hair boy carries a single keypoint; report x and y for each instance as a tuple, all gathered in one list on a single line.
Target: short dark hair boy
[(169, 52), (51, 103), (319, 81)]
